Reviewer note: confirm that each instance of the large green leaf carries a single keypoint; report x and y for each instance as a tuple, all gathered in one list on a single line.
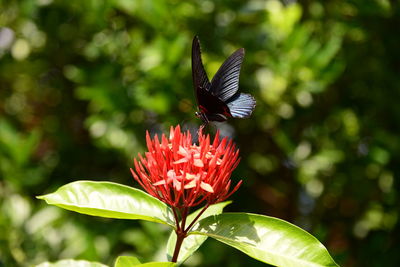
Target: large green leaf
[(192, 242), (267, 239), (110, 200), (71, 263), (157, 264), (126, 261)]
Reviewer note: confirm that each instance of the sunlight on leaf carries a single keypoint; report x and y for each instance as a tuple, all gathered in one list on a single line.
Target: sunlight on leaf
[(266, 239), (71, 263), (157, 264), (105, 199), (123, 261)]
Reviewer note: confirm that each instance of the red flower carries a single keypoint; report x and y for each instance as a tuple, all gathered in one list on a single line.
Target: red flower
[(183, 174)]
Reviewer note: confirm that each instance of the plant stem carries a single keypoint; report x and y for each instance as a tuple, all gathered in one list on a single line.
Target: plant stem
[(180, 236), (184, 216), (181, 232), (176, 219), (197, 217)]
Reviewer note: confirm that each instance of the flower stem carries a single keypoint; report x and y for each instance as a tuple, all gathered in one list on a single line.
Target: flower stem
[(180, 233), (184, 216), (180, 236), (176, 219), (197, 217)]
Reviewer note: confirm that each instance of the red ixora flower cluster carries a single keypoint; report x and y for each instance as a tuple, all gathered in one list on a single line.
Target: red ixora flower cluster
[(183, 174)]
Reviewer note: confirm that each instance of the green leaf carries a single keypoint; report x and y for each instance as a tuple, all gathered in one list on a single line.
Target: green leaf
[(192, 242), (71, 263), (158, 264), (110, 200), (126, 261), (266, 239)]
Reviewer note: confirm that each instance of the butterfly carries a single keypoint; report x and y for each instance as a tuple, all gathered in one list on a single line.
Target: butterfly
[(219, 99)]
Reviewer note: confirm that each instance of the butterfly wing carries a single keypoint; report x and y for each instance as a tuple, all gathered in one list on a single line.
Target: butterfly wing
[(199, 75), (210, 106), (225, 83), (220, 99), (241, 105)]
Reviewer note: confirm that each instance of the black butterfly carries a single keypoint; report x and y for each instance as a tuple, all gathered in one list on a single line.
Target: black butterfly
[(220, 99)]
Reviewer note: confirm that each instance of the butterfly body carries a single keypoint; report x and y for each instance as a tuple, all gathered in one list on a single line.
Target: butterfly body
[(219, 99), (212, 109)]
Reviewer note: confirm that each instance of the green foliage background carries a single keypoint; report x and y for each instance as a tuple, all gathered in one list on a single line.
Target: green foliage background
[(81, 81)]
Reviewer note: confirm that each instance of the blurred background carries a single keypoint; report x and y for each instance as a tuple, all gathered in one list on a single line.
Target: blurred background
[(81, 81)]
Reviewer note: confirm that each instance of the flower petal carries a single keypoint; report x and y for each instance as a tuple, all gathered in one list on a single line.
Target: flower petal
[(162, 182), (183, 152), (206, 187), (190, 176), (191, 184), (177, 185), (198, 163), (182, 160)]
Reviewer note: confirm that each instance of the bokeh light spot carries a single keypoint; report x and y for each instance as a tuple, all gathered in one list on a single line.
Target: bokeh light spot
[(20, 49)]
